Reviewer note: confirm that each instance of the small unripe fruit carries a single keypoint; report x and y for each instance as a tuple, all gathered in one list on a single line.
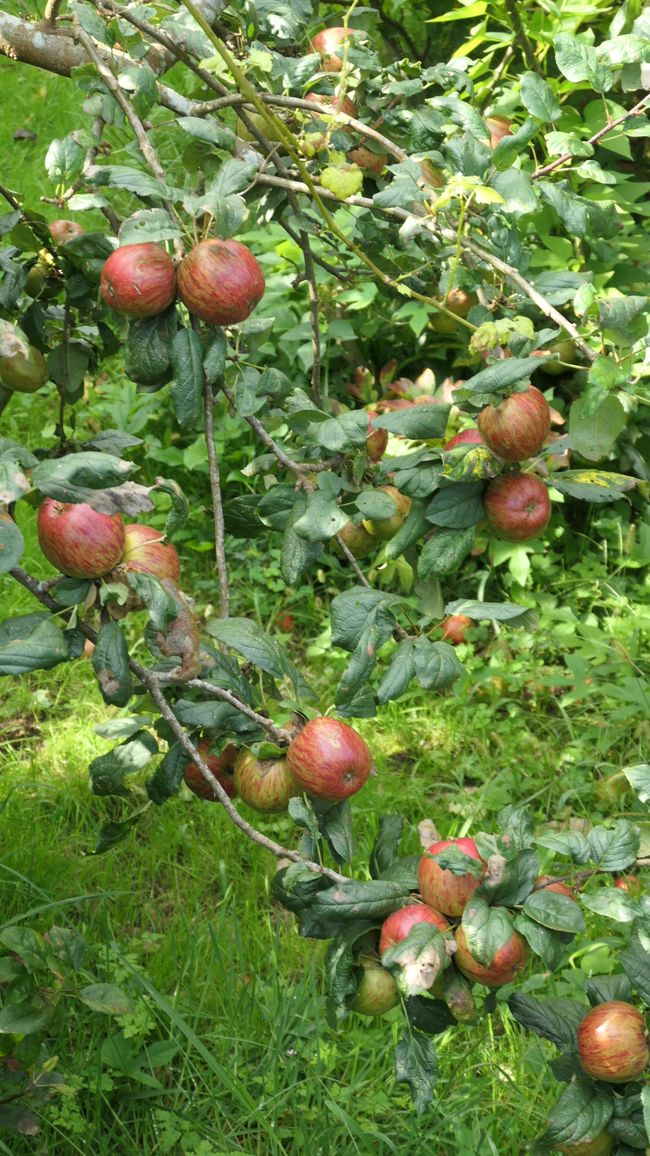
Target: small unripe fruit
[(63, 231), (373, 163), (357, 539), (546, 883), (377, 991), (386, 528), (498, 127), (265, 784)]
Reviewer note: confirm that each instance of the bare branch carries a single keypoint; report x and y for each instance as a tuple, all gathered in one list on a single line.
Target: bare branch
[(281, 737), (313, 315), (52, 9), (217, 505), (295, 467), (638, 108)]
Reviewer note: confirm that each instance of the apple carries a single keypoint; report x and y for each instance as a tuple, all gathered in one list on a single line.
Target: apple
[(23, 369), (325, 44), (377, 439), (285, 622), (63, 231), (459, 301), (629, 883), (77, 540), (455, 627), (400, 923), (270, 131), (145, 552), (329, 759), (139, 280), (357, 539), (466, 437), (498, 127), (366, 159), (220, 281), (508, 961), (265, 784), (601, 1145), (517, 428), (377, 991), (431, 175), (384, 529), (517, 507), (547, 883), (567, 351), (612, 1042), (439, 887), (222, 769)]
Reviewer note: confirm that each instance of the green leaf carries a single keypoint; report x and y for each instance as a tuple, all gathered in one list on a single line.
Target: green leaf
[(445, 551), (501, 376), (638, 777), (247, 638), (234, 176), (168, 776), (208, 130), (12, 544), (341, 434), (189, 377), (134, 180), (29, 945), (593, 435), (593, 485), (458, 505), (602, 988), (430, 1015), (148, 225), (555, 1019), (13, 483), (147, 357), (619, 312), (180, 507), (416, 1065), (548, 945), (555, 911), (376, 504), (362, 663), (577, 60), (636, 965), (408, 534), (514, 879), (64, 160), (612, 903), (582, 1112), (322, 518), (111, 665), (436, 664), (214, 362), (32, 642), (336, 825), (23, 1019), (107, 998), (571, 210), (385, 849), (487, 929), (419, 422), (573, 844), (297, 555), (615, 848), (107, 772), (399, 673), (356, 899), (340, 973), (112, 833), (492, 611), (59, 477), (538, 97), (162, 607), (517, 190)]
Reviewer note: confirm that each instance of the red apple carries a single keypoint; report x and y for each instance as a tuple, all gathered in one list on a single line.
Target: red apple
[(629, 883), (77, 540), (400, 923), (508, 961), (384, 529), (517, 507), (329, 759), (285, 622), (466, 437), (325, 44), (498, 127), (265, 784), (139, 280), (333, 104), (547, 883), (222, 769), (357, 539), (145, 552), (377, 991), (439, 887), (373, 163), (377, 439), (220, 281), (612, 1042), (63, 231), (601, 1145), (517, 428), (455, 627)]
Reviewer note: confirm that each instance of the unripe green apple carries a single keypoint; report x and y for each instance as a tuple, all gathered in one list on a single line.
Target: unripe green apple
[(384, 529)]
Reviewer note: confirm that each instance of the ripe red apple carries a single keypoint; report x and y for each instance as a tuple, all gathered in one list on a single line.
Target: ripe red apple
[(455, 627), (601, 1145), (498, 127), (357, 539), (546, 883), (466, 437), (329, 759), (384, 529), (517, 428), (377, 991), (508, 961), (377, 439), (629, 883), (63, 231), (265, 784), (145, 552), (325, 44), (400, 923), (612, 1042), (77, 540), (439, 887), (333, 103), (517, 507), (139, 280), (222, 769), (220, 281), (373, 163)]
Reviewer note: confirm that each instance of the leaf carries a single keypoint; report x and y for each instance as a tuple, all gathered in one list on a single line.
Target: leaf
[(385, 849), (513, 880), (106, 997), (492, 612), (399, 673), (111, 833), (546, 944), (350, 611), (107, 772), (582, 1112), (148, 353), (417, 961), (501, 376), (336, 825), (13, 483), (429, 1015), (555, 911), (22, 1019), (168, 776), (64, 159), (341, 434), (29, 945), (538, 97), (356, 899), (376, 504), (619, 312), (233, 176), (555, 1019), (249, 640), (135, 180), (517, 190), (593, 485), (322, 518), (602, 988), (297, 555), (638, 777), (189, 378), (487, 929), (577, 60), (445, 551), (162, 606), (32, 642), (148, 225), (615, 848), (340, 973), (207, 130), (458, 505), (361, 665), (612, 903), (58, 477), (12, 544), (214, 362), (636, 965), (573, 844), (409, 533), (593, 434), (436, 664), (110, 661), (418, 422), (416, 1065)]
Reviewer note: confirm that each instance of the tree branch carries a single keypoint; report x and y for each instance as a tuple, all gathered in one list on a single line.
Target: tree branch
[(52, 9), (520, 35), (310, 274), (638, 108), (217, 505)]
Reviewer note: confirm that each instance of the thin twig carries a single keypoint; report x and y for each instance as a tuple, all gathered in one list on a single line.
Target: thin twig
[(637, 109), (296, 467), (347, 553), (313, 316), (52, 9), (336, 271), (217, 505), (280, 735)]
